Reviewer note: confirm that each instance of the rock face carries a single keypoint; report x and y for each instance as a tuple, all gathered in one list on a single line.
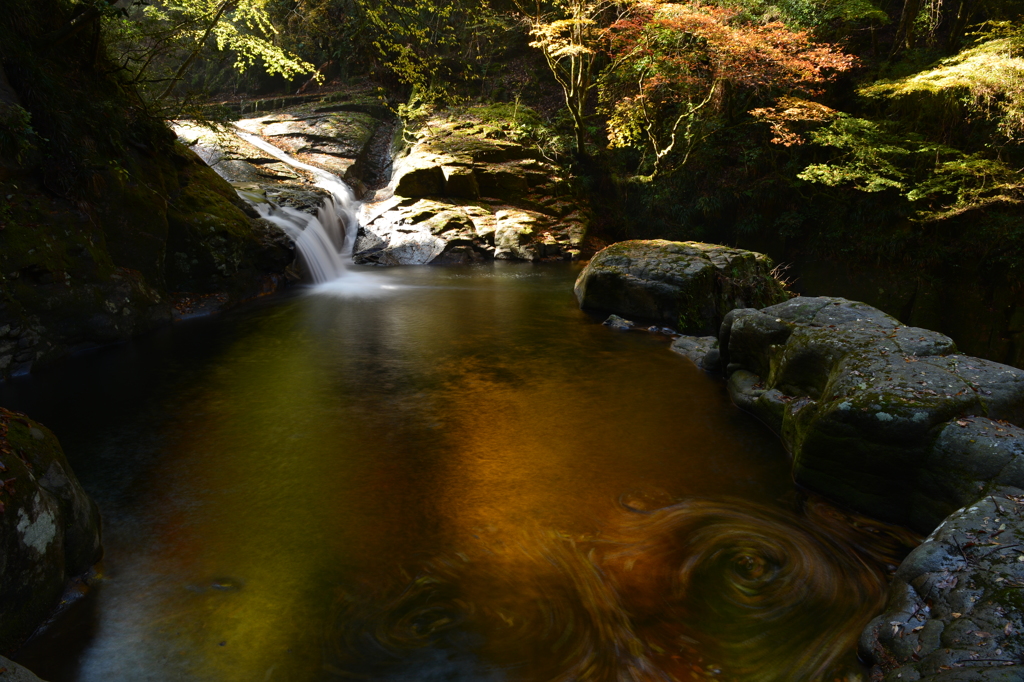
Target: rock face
[(104, 217), (470, 191), (687, 284), (12, 672), (893, 422), (955, 611), (885, 418), (49, 528), (348, 133)]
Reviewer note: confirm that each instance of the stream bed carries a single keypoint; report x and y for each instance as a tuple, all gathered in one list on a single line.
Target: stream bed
[(434, 474)]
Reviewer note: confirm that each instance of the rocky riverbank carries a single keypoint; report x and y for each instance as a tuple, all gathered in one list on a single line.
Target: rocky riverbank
[(473, 186), (49, 528), (893, 422), (469, 185)]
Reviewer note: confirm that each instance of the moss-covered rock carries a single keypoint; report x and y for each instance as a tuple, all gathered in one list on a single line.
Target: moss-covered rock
[(955, 611), (875, 413), (893, 422), (474, 163), (106, 216), (689, 285), (49, 528)]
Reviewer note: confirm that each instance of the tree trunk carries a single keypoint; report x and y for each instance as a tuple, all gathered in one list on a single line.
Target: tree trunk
[(905, 32)]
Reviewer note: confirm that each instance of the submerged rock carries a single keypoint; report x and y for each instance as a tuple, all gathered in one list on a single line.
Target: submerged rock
[(616, 322), (49, 528), (689, 284), (701, 350)]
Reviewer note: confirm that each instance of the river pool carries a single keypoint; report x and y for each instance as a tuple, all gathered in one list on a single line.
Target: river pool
[(421, 473)]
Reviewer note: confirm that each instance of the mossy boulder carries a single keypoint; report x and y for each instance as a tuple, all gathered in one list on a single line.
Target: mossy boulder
[(688, 285), (883, 417), (476, 164), (82, 273), (49, 528), (955, 611)]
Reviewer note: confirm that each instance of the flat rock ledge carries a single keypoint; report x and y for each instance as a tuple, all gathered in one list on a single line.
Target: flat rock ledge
[(689, 285), (893, 422), (471, 191), (49, 527)]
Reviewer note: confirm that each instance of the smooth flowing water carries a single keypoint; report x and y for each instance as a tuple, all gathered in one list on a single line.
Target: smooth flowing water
[(431, 473)]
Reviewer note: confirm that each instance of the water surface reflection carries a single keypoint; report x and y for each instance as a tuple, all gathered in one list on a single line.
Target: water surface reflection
[(261, 473)]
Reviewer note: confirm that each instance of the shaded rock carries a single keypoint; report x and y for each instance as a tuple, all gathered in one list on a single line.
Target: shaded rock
[(689, 284), (419, 175), (954, 612), (49, 528), (701, 350), (12, 672), (616, 322), (872, 410), (460, 182)]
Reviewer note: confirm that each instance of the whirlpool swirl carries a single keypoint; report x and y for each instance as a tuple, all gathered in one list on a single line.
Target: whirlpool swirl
[(702, 589)]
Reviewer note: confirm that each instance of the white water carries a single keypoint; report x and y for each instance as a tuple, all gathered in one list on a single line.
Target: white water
[(324, 241)]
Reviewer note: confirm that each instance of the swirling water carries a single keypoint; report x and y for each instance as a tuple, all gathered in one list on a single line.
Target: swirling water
[(439, 474)]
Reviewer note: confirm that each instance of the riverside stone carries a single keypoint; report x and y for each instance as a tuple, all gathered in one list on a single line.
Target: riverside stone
[(954, 612), (893, 422), (49, 528), (461, 172), (689, 284), (871, 409), (12, 672)]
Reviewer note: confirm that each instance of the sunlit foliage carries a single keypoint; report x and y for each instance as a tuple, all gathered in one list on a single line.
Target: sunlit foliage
[(570, 37), (874, 156), (434, 46), (985, 80), (675, 65), (156, 44)]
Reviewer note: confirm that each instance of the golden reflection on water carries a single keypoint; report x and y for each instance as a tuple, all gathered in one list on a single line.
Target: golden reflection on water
[(426, 486), (702, 589)]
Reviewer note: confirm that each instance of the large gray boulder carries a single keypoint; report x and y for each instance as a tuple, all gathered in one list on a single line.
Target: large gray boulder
[(954, 609), (49, 528), (893, 422), (875, 413), (689, 285)]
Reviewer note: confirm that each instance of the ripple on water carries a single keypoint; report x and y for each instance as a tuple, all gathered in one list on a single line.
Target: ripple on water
[(701, 589)]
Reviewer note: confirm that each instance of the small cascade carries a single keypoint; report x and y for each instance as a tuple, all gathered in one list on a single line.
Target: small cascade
[(324, 241)]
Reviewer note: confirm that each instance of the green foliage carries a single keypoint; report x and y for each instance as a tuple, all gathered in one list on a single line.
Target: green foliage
[(941, 181), (17, 137), (812, 14), (570, 37), (985, 80), (433, 46), (157, 44)]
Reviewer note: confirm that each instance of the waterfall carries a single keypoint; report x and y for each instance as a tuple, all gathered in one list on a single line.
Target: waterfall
[(324, 241)]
